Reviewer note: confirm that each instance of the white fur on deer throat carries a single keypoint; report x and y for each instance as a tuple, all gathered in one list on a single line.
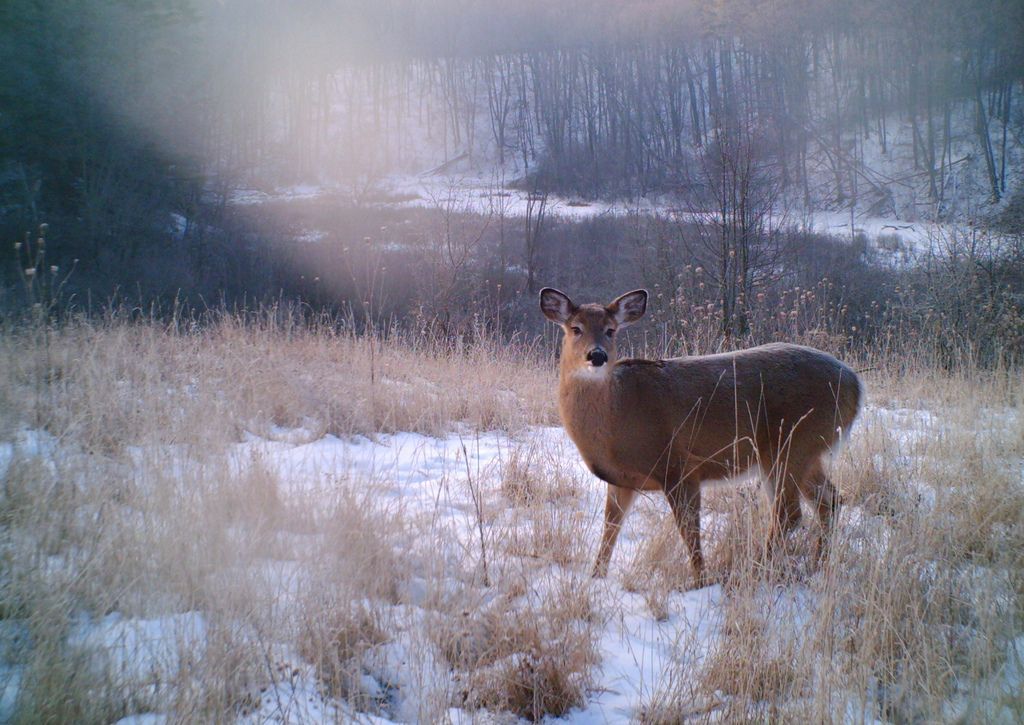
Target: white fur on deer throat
[(591, 373)]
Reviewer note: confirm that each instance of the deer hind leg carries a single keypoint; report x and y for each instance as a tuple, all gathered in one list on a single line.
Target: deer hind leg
[(684, 499), (616, 506), (784, 494), (819, 490)]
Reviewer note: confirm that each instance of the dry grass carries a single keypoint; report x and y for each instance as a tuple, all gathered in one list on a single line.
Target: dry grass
[(530, 654), (339, 633), (112, 384), (124, 504)]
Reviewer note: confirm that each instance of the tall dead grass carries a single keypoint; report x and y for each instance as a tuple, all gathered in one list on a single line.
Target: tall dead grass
[(124, 512), (111, 383)]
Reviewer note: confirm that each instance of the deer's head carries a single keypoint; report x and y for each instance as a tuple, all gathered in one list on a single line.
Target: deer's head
[(588, 344)]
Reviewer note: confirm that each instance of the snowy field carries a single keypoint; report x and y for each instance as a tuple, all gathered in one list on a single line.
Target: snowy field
[(450, 546)]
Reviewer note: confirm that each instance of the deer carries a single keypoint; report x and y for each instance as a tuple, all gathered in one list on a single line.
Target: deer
[(775, 411)]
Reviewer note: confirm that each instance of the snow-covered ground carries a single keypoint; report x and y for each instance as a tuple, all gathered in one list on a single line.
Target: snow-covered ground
[(429, 477), (451, 487), (480, 193)]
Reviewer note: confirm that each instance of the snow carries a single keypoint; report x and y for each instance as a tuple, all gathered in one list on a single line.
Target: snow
[(296, 698), (294, 192), (639, 651), (145, 719), (426, 476), (480, 192), (10, 684), (429, 479), (140, 657)]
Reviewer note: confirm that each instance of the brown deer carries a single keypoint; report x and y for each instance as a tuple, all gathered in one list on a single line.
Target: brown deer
[(671, 425)]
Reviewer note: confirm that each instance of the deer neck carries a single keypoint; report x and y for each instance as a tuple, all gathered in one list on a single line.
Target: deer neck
[(585, 399)]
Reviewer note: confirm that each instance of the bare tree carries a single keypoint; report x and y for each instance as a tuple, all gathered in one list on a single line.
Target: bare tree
[(737, 216), (451, 247), (536, 209)]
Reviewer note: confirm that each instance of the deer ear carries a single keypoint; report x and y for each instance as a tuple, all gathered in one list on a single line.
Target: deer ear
[(556, 306), (629, 308)]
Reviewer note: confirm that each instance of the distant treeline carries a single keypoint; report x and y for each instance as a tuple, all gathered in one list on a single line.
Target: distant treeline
[(126, 126), (443, 274)]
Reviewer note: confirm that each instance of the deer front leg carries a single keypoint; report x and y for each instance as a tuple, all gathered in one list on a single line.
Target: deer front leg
[(616, 505), (684, 499)]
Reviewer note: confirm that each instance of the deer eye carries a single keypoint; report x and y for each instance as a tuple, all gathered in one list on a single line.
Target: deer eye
[(576, 330), (610, 331)]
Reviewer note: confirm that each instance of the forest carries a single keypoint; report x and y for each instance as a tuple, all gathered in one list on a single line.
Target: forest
[(133, 130)]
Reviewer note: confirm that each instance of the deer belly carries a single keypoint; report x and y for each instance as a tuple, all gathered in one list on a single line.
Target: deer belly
[(618, 472)]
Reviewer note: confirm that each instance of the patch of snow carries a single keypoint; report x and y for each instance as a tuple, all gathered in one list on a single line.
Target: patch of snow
[(146, 719), (311, 236), (10, 684), (38, 445), (142, 659), (638, 651), (296, 696)]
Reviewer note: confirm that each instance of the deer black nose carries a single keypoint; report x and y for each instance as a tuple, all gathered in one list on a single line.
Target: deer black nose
[(597, 357)]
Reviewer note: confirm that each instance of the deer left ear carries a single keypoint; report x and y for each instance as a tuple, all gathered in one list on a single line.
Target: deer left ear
[(629, 308)]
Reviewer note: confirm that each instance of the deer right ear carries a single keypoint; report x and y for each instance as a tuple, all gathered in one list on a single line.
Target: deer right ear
[(556, 306)]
